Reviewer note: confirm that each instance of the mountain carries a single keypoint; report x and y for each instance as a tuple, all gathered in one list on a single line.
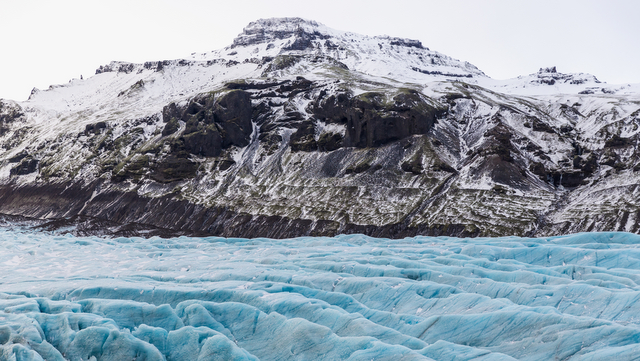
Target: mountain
[(298, 129)]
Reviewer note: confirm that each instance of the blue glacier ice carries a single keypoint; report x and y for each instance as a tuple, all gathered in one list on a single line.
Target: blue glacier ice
[(349, 297)]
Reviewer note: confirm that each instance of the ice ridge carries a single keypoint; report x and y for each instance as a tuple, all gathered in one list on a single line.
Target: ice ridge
[(343, 298)]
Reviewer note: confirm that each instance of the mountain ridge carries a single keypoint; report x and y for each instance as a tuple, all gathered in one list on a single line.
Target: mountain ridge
[(297, 129)]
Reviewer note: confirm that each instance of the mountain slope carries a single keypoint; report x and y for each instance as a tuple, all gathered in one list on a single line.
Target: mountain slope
[(298, 129)]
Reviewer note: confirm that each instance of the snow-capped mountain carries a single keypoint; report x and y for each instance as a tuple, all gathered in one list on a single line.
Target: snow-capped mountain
[(299, 129)]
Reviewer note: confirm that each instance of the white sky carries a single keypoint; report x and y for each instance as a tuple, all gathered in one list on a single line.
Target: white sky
[(48, 42)]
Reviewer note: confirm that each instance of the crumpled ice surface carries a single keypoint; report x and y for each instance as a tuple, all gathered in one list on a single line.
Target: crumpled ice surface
[(349, 297)]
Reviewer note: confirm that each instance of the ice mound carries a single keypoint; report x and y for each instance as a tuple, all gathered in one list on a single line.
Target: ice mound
[(344, 298)]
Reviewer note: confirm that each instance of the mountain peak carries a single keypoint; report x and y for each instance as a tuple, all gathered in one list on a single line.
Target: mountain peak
[(551, 76), (266, 30), (393, 57), (551, 69), (274, 24)]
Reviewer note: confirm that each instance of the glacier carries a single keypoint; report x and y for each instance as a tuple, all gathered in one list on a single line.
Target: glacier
[(349, 297)]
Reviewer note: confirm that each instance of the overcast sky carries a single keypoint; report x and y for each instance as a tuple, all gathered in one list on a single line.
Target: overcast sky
[(48, 42)]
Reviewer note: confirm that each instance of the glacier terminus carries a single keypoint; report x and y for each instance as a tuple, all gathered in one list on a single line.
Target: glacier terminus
[(350, 297)]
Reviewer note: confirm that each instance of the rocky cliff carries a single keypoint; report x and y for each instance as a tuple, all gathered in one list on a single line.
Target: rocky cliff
[(297, 129)]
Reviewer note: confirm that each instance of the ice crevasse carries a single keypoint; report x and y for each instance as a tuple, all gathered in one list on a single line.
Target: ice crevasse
[(349, 297)]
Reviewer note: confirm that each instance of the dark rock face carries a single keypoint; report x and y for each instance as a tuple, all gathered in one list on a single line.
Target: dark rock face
[(412, 166), (206, 142), (617, 142), (171, 127), (9, 113), (303, 139), (371, 121), (27, 165), (328, 142), (18, 157), (171, 111), (173, 169), (233, 115), (95, 128), (212, 123), (333, 108), (301, 41), (568, 179), (407, 43)]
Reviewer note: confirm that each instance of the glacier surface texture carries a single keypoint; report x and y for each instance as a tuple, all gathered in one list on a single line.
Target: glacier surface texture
[(344, 298)]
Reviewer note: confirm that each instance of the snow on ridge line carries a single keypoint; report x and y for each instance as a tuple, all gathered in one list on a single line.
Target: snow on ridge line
[(278, 28), (403, 60), (346, 297), (384, 57)]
